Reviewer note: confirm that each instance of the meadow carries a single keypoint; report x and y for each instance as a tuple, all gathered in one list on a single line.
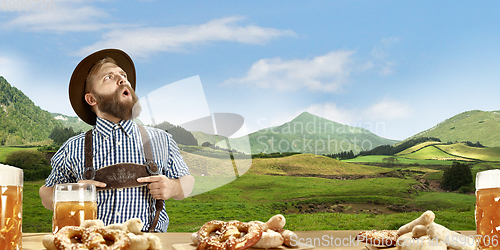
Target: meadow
[(314, 193), (258, 197)]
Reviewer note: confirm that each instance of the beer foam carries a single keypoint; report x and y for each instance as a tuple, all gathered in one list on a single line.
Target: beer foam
[(488, 179), (10, 176), (74, 192)]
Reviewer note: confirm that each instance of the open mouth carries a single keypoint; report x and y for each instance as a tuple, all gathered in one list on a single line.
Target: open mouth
[(126, 92)]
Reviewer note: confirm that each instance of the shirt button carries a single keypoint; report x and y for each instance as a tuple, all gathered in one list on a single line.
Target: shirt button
[(119, 143)]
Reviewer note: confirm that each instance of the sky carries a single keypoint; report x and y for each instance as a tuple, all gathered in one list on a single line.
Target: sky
[(394, 67)]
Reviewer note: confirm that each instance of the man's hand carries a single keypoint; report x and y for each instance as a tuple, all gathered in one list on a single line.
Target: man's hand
[(96, 183), (163, 188)]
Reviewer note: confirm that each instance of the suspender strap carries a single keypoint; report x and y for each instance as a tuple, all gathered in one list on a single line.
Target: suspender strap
[(89, 172), (148, 153), (152, 168)]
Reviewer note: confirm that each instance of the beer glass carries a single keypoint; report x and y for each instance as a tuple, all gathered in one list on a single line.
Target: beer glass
[(11, 203), (488, 209), (73, 203)]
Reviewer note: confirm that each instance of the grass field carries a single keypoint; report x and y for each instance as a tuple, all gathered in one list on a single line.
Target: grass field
[(4, 151), (417, 147), (313, 165), (258, 197), (272, 186), (402, 160), (432, 153), (483, 154)]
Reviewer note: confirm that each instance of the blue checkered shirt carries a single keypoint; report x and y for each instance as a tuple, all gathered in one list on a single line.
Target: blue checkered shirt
[(119, 143)]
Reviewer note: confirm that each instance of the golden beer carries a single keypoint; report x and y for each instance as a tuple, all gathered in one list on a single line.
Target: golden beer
[(72, 213), (488, 218), (73, 203), (11, 202), (488, 209)]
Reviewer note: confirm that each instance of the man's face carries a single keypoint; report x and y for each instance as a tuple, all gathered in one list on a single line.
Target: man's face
[(113, 93)]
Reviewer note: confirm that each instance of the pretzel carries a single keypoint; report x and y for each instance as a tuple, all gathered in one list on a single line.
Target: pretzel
[(87, 236), (62, 239), (220, 235), (378, 237), (96, 238)]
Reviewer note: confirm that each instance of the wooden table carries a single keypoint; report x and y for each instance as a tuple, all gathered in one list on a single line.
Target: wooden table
[(337, 239)]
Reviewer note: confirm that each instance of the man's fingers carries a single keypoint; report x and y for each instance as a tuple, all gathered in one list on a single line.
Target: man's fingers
[(150, 178), (96, 183)]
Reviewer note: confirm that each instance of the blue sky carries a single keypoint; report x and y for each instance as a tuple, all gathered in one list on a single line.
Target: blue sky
[(407, 65)]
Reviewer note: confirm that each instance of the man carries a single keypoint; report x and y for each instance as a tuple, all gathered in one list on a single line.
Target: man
[(102, 94)]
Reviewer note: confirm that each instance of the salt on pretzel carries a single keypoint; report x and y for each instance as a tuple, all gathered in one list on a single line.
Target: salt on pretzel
[(228, 235), (63, 238), (453, 239), (424, 219)]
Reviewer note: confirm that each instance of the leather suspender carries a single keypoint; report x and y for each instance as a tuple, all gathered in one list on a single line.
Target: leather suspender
[(150, 165), (127, 172)]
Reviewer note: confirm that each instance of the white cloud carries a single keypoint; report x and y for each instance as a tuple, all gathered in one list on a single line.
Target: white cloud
[(388, 110), (332, 112), (380, 53), (145, 41), (326, 73), (66, 16)]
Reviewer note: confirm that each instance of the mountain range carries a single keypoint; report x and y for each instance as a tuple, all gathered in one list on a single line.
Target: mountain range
[(24, 122)]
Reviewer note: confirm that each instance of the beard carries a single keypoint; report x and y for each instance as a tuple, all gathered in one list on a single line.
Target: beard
[(124, 110)]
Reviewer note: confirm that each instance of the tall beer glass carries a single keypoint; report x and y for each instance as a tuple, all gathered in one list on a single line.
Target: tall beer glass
[(488, 209), (73, 203), (11, 204)]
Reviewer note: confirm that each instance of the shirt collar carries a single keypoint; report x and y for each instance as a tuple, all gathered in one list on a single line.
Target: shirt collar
[(106, 128)]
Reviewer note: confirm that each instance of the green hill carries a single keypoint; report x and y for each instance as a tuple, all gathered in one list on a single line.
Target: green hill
[(455, 151), (22, 121), (310, 165), (417, 147), (462, 150), (306, 133), (72, 121), (432, 153), (473, 126)]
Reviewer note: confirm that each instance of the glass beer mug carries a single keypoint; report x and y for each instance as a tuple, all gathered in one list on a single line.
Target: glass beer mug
[(73, 203), (11, 203), (488, 209)]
